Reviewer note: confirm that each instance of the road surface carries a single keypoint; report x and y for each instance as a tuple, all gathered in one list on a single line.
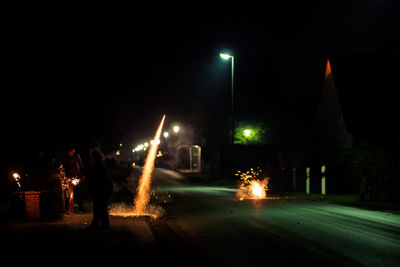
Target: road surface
[(208, 225)]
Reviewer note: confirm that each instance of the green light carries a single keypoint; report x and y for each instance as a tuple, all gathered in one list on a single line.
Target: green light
[(250, 133)]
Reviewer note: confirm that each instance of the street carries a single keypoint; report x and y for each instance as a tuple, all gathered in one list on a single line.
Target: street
[(285, 230), (232, 135), (208, 225)]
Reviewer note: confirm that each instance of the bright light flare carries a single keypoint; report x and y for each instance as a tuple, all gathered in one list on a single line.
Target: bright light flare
[(252, 186), (175, 129), (16, 176), (257, 189), (225, 56), (155, 142), (75, 181), (247, 132)]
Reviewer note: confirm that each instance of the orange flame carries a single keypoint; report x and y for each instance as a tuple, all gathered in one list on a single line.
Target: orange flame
[(328, 69)]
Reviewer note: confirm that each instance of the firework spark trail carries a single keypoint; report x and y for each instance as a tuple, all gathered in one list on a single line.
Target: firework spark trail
[(143, 195), (252, 186)]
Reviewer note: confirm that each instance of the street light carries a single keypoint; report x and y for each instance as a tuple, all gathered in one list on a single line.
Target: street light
[(175, 129), (247, 132), (227, 57)]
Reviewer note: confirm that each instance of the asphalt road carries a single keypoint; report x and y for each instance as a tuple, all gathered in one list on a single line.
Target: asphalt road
[(205, 225)]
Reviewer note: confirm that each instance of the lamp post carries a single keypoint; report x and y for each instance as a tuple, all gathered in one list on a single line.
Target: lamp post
[(227, 57)]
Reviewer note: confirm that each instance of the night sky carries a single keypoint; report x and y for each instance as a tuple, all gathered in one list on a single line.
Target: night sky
[(78, 74)]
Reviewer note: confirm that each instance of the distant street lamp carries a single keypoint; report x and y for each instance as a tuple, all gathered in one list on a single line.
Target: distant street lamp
[(227, 57), (166, 134), (175, 129)]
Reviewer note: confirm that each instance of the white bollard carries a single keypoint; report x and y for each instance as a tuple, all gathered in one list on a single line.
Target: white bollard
[(323, 185), (308, 180)]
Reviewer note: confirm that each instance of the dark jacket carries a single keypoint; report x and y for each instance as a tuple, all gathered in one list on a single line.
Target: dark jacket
[(99, 183)]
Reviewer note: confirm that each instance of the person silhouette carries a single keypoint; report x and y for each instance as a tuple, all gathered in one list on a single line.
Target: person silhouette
[(100, 187)]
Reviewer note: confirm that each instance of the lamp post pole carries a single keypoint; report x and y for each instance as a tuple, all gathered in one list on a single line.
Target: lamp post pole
[(226, 57), (232, 86)]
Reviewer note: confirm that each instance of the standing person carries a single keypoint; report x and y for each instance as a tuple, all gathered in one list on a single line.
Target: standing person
[(73, 171), (100, 189)]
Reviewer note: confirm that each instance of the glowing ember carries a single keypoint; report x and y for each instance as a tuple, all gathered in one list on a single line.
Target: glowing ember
[(252, 186), (124, 210), (141, 207)]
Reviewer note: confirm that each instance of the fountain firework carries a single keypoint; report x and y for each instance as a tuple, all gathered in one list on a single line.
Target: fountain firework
[(141, 201), (143, 194)]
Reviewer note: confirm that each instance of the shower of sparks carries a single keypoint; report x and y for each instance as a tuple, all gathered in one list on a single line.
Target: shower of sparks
[(253, 186), (141, 201), (143, 195)]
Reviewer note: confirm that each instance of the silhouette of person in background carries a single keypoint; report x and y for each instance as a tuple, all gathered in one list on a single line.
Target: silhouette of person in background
[(73, 171), (100, 188)]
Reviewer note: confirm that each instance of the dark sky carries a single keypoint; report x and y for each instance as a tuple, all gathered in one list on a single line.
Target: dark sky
[(79, 73)]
